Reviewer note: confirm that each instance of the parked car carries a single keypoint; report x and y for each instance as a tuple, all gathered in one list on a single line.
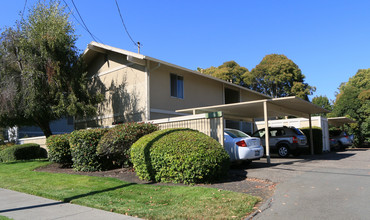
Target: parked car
[(284, 140), (341, 137), (333, 144), (242, 147)]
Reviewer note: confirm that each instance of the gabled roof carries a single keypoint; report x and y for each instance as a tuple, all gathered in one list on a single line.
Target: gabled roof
[(93, 48)]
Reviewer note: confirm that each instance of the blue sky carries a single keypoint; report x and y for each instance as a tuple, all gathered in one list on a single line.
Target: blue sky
[(328, 40)]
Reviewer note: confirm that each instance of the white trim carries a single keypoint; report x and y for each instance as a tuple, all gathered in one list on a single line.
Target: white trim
[(180, 118), (111, 70), (162, 111)]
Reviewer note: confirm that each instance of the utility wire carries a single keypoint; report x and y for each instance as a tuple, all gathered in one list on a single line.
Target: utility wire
[(70, 10), (119, 11), (24, 8), (87, 29)]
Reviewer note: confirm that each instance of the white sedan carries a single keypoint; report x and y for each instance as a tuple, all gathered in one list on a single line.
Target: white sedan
[(241, 146)]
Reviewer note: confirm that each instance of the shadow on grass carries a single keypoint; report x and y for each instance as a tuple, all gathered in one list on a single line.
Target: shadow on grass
[(96, 192)]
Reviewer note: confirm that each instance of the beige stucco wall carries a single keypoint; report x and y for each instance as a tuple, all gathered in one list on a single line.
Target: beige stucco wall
[(123, 85), (198, 91), (247, 96)]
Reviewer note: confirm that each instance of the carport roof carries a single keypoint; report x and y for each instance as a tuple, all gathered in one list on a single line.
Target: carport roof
[(339, 121), (286, 106)]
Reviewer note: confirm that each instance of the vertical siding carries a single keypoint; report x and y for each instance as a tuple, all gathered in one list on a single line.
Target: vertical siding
[(212, 127)]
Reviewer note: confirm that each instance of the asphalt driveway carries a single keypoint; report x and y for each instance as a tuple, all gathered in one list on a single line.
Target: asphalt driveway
[(329, 186)]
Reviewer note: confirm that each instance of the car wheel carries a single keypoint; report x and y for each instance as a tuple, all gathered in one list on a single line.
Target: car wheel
[(283, 150)]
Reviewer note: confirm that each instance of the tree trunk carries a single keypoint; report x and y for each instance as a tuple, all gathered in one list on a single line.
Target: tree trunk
[(45, 127)]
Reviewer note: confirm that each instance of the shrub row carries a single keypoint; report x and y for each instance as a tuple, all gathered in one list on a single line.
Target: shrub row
[(59, 149), (22, 152), (96, 149), (171, 155), (179, 155), (115, 144), (83, 145)]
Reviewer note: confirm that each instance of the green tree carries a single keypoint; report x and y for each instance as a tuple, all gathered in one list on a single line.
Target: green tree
[(229, 71), (278, 76), (353, 101), (323, 102), (41, 73)]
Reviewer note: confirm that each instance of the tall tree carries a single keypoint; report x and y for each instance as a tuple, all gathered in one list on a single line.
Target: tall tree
[(323, 102), (42, 77), (278, 76), (353, 101), (229, 71)]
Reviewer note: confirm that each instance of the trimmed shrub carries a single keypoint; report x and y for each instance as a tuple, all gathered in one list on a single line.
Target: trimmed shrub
[(179, 155), (83, 149), (317, 138), (22, 152), (7, 145), (59, 149), (115, 144)]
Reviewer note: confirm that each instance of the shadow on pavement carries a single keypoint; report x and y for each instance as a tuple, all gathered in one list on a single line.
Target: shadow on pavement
[(31, 207)]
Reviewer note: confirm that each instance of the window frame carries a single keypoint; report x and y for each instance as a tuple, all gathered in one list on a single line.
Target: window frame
[(176, 86)]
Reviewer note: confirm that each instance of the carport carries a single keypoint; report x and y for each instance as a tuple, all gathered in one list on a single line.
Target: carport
[(266, 108), (340, 121)]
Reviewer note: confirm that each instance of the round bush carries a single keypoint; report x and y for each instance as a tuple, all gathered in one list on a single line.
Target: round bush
[(115, 144), (59, 149), (83, 149), (179, 155), (22, 152)]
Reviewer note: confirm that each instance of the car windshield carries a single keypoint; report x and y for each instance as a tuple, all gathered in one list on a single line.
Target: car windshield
[(236, 133)]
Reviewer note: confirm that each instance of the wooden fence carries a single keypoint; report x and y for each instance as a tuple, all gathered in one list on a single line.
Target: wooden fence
[(211, 124)]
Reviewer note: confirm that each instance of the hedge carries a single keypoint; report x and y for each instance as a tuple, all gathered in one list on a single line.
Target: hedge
[(22, 152), (317, 138), (59, 149), (83, 149), (115, 144), (179, 155)]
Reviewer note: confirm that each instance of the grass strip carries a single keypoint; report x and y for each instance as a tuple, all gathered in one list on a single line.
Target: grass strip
[(140, 200)]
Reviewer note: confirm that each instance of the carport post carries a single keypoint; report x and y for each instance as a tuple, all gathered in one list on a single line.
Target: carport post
[(267, 136), (311, 137)]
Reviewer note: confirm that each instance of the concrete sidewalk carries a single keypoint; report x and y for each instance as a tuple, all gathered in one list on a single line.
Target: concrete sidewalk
[(18, 205)]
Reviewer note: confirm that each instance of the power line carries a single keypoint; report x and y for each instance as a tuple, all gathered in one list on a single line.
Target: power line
[(79, 21), (87, 29), (119, 11), (24, 8)]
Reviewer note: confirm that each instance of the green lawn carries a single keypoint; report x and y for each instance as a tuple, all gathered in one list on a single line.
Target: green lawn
[(4, 218), (141, 200)]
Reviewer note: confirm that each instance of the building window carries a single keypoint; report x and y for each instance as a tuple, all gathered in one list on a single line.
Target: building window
[(177, 86)]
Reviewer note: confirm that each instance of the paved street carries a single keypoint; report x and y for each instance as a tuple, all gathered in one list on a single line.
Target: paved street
[(328, 186)]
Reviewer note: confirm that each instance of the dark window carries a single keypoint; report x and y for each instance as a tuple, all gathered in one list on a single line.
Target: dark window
[(177, 86)]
